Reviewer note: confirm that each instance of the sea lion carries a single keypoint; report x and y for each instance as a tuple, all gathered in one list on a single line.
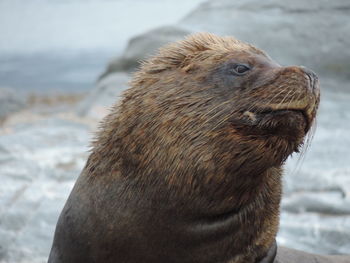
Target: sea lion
[(187, 168)]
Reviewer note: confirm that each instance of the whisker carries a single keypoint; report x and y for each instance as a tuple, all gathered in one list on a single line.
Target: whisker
[(275, 96), (221, 122), (283, 89), (212, 117), (282, 101), (304, 149)]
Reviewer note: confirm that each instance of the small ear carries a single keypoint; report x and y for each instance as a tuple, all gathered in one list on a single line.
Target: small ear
[(188, 64), (155, 70), (189, 68)]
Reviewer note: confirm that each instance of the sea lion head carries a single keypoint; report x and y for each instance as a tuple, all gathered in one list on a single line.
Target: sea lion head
[(212, 105), (187, 168), (190, 159)]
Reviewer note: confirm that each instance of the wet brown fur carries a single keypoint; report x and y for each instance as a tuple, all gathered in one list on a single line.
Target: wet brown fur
[(179, 151)]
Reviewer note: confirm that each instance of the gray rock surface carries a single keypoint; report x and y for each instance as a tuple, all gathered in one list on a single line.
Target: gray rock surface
[(106, 92), (315, 34), (143, 45), (287, 255)]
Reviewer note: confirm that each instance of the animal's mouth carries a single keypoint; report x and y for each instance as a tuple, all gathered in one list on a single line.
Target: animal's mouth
[(298, 112), (290, 112), (281, 118)]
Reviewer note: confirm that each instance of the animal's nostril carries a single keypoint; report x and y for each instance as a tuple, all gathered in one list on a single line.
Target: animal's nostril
[(311, 75)]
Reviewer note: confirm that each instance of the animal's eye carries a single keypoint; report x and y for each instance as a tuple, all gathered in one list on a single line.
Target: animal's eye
[(240, 69)]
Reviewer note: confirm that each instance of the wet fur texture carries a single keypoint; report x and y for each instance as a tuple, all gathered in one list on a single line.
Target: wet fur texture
[(187, 168)]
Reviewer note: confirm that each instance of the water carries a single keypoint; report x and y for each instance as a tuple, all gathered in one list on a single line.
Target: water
[(51, 45), (47, 73)]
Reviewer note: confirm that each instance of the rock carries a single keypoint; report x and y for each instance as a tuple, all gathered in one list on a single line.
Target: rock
[(316, 35), (103, 96), (315, 233), (10, 102), (144, 45), (287, 255)]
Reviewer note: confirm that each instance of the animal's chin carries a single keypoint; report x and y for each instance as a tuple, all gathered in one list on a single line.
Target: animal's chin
[(291, 124)]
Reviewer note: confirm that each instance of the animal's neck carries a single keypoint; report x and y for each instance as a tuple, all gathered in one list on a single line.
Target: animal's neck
[(235, 220), (237, 195), (252, 222), (235, 229)]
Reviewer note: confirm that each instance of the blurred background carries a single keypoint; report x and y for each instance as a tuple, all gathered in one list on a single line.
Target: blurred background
[(64, 63)]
